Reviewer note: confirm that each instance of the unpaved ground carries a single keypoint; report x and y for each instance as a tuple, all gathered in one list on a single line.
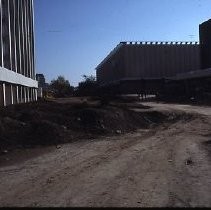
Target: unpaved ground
[(167, 166)]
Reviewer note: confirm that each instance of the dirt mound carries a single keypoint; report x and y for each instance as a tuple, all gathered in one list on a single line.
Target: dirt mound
[(48, 123)]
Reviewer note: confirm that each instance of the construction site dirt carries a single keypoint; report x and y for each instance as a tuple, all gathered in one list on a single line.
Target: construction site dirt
[(78, 153)]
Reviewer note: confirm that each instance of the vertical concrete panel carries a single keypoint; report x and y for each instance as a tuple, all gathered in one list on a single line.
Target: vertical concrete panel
[(32, 37), (4, 94), (12, 96), (22, 38), (20, 94), (155, 58), (36, 94), (24, 95), (126, 62), (146, 73), (10, 34), (14, 89), (150, 60), (1, 38), (17, 94), (26, 38), (1, 95), (8, 94), (138, 70), (162, 59), (19, 39), (5, 34)]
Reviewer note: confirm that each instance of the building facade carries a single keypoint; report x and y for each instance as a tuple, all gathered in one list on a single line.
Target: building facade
[(205, 42), (17, 66), (131, 61)]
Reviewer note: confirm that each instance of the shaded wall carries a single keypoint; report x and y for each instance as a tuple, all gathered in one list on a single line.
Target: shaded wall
[(205, 42), (149, 61)]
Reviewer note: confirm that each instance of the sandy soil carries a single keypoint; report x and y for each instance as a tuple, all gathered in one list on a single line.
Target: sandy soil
[(168, 166)]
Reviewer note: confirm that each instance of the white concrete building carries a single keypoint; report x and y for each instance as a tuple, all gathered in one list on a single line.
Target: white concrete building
[(17, 68)]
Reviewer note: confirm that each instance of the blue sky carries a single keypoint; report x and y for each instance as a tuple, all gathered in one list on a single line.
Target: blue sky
[(73, 36)]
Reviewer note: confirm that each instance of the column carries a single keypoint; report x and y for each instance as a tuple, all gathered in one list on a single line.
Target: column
[(28, 94), (22, 36), (26, 38), (4, 95), (18, 32), (13, 34), (12, 95), (10, 37), (17, 94), (25, 94), (36, 94), (1, 37), (33, 38), (6, 34), (21, 94)]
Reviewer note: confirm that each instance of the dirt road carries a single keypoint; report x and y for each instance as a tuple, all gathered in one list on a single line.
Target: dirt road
[(169, 166)]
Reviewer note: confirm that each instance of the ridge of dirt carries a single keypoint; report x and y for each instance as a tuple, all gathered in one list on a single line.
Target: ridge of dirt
[(50, 123)]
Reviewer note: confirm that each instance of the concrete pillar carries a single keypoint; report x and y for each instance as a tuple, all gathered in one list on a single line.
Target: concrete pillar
[(14, 90), (31, 92), (1, 95), (11, 94), (8, 94), (25, 94), (32, 97), (10, 38), (36, 94), (20, 94), (26, 42), (1, 35), (4, 95), (22, 36), (15, 36), (17, 94), (28, 95), (19, 50)]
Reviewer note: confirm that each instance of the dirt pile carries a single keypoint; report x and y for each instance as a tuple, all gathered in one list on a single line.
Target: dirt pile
[(48, 123)]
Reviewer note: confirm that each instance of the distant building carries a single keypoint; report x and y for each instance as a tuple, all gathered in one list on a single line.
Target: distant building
[(41, 80), (42, 85), (17, 69), (132, 67)]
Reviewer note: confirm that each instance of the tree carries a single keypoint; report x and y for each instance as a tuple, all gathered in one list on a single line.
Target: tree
[(61, 87), (88, 87)]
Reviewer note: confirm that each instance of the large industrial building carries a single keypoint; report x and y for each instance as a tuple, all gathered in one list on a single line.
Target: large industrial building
[(133, 67), (205, 42), (17, 68)]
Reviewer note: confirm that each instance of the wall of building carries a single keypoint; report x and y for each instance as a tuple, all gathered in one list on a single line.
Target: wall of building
[(111, 68), (149, 60), (205, 42), (17, 68)]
